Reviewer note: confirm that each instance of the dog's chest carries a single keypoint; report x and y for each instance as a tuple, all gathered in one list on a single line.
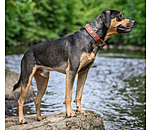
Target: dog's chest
[(86, 59)]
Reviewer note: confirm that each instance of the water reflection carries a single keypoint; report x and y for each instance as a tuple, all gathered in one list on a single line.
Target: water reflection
[(115, 88)]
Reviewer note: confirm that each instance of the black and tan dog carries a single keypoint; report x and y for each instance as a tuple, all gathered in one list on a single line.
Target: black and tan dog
[(71, 54)]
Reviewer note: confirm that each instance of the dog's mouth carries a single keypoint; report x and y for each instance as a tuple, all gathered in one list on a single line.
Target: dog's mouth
[(127, 28), (122, 29)]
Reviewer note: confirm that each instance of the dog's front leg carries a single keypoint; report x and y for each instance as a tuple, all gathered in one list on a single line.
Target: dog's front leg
[(80, 85), (70, 76)]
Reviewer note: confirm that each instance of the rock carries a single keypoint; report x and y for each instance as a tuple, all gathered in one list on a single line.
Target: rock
[(58, 121), (11, 97)]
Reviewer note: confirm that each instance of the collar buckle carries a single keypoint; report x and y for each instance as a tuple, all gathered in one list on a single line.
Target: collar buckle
[(100, 42)]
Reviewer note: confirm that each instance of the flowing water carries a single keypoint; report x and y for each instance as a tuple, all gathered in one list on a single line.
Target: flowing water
[(115, 88)]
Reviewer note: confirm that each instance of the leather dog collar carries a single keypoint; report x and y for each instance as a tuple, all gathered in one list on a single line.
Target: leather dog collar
[(94, 35)]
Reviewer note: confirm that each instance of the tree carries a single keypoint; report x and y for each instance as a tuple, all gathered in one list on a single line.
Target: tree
[(33, 21), (135, 10), (19, 21), (54, 17)]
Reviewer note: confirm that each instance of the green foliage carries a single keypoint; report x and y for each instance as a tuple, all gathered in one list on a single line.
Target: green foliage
[(135, 10), (54, 19), (33, 21), (19, 21)]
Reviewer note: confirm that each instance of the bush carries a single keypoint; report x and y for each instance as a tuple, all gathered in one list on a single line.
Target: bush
[(19, 21), (135, 10), (33, 21)]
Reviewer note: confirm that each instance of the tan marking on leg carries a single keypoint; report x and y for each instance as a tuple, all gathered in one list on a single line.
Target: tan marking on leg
[(80, 85), (69, 87), (23, 94), (85, 59), (20, 105), (41, 86)]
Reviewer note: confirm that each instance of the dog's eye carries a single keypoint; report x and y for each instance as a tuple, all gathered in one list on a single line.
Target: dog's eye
[(119, 19)]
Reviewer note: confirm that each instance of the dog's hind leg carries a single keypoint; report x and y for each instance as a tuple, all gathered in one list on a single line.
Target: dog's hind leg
[(28, 69), (24, 90), (41, 82)]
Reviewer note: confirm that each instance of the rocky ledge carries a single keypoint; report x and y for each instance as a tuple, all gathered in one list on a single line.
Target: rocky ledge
[(58, 121)]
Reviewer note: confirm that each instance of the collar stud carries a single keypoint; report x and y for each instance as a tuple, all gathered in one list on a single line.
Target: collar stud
[(94, 35)]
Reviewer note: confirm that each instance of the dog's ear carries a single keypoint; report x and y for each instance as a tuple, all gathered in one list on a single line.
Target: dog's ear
[(106, 17)]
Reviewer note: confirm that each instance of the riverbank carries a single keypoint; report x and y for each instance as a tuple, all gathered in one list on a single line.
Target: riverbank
[(58, 121), (123, 47), (23, 49)]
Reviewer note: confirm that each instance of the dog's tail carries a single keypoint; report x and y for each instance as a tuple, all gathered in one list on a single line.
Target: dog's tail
[(17, 85)]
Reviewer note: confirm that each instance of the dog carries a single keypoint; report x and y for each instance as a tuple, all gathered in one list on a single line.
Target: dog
[(71, 54)]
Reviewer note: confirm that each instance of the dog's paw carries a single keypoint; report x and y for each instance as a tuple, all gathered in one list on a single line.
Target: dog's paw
[(23, 121), (70, 113), (40, 118), (82, 111)]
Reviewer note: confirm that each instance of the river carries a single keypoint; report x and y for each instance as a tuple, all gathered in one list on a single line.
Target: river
[(115, 88)]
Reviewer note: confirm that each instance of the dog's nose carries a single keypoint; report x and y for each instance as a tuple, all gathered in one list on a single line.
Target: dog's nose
[(133, 22)]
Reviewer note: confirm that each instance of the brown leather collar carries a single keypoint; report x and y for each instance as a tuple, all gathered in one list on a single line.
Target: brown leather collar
[(94, 35)]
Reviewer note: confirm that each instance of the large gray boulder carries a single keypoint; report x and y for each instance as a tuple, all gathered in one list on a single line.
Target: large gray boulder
[(58, 121), (11, 97)]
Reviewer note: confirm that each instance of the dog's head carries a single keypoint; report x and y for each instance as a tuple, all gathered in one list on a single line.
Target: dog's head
[(115, 23)]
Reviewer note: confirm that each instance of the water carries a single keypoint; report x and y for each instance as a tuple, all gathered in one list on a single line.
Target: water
[(115, 88)]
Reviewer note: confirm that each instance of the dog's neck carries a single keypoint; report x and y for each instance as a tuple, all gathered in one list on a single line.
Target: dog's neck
[(99, 27)]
